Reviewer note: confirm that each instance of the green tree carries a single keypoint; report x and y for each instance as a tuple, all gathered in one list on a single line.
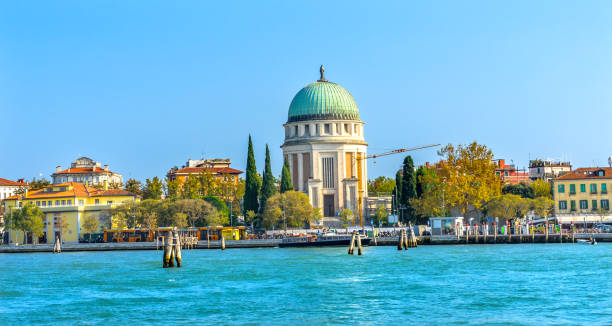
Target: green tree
[(289, 209), (381, 185), (504, 206), (408, 190), (541, 188), (146, 213), (542, 206), (380, 215), (268, 188), (251, 216), (152, 189), (251, 193), (470, 177), (286, 184), (28, 219), (38, 184), (134, 186), (90, 224), (173, 188), (122, 216), (397, 191), (198, 212), (431, 199), (522, 189), (346, 216), (191, 188), (221, 208)]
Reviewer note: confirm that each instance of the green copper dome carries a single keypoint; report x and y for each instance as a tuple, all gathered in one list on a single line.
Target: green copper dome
[(323, 100)]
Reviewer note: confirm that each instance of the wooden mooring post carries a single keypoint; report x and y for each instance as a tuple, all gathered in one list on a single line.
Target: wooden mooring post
[(495, 232), (412, 243), (476, 232), (467, 233), (560, 232), (352, 244), (532, 233), (400, 240), (374, 236), (485, 230), (167, 257), (509, 231), (57, 246), (222, 242), (573, 227), (546, 230), (359, 249), (177, 249)]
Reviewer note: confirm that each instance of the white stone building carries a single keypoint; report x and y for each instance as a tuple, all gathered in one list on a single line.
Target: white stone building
[(86, 170), (325, 147)]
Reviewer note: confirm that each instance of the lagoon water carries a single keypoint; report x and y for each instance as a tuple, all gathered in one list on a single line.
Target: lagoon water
[(553, 284)]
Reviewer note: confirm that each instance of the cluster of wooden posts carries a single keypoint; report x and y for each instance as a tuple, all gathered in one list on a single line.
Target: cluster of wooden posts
[(172, 249), (407, 239), (57, 246), (356, 238), (570, 236)]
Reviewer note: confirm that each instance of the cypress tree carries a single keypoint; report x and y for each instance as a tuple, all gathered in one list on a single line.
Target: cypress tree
[(398, 192), (251, 189), (408, 188), (267, 187), (285, 184)]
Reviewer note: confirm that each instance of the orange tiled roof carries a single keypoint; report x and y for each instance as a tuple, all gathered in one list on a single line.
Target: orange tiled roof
[(78, 190), (199, 169), (82, 170), (586, 173), (6, 182)]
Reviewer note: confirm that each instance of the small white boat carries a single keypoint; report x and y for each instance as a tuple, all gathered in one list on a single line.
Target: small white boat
[(589, 242)]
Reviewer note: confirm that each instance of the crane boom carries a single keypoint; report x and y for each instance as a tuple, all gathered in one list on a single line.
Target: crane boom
[(401, 150), (396, 151)]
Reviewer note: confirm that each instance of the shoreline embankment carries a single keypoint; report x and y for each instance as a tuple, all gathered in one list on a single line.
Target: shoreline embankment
[(273, 243)]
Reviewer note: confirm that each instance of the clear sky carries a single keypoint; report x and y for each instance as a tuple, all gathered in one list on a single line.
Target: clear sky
[(145, 85)]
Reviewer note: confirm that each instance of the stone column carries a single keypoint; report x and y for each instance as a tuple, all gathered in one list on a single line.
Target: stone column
[(300, 167)]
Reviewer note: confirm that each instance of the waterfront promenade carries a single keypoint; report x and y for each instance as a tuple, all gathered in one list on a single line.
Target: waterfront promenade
[(271, 243)]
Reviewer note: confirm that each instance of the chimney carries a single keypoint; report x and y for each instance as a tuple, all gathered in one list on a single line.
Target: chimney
[(502, 163), (58, 168), (105, 167), (105, 184)]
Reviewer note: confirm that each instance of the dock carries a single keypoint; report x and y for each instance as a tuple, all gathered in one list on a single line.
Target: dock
[(272, 243)]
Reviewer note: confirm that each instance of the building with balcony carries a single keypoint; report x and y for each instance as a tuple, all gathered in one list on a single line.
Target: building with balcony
[(547, 169), (219, 168), (68, 202), (85, 170), (509, 174), (325, 147), (583, 194)]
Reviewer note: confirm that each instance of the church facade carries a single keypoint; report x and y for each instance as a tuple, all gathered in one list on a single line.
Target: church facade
[(326, 149)]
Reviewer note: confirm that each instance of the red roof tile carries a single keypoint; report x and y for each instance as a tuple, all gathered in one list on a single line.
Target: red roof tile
[(6, 182), (82, 170), (586, 173)]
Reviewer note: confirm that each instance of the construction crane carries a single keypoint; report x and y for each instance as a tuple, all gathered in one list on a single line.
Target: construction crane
[(395, 151)]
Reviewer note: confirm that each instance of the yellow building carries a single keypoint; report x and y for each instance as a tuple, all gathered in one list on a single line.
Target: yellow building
[(71, 203), (583, 195)]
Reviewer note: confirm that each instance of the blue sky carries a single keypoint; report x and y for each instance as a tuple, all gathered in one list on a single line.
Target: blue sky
[(145, 85)]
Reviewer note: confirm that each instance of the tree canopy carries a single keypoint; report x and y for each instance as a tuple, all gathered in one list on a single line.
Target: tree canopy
[(469, 175), (381, 185), (291, 208)]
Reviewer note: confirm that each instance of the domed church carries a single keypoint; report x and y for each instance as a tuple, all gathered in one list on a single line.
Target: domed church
[(325, 148)]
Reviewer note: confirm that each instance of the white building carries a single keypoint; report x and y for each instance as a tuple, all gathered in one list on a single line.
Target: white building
[(8, 187), (86, 170), (325, 147), (547, 169)]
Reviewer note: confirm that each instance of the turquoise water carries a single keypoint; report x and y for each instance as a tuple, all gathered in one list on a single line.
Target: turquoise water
[(554, 284)]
